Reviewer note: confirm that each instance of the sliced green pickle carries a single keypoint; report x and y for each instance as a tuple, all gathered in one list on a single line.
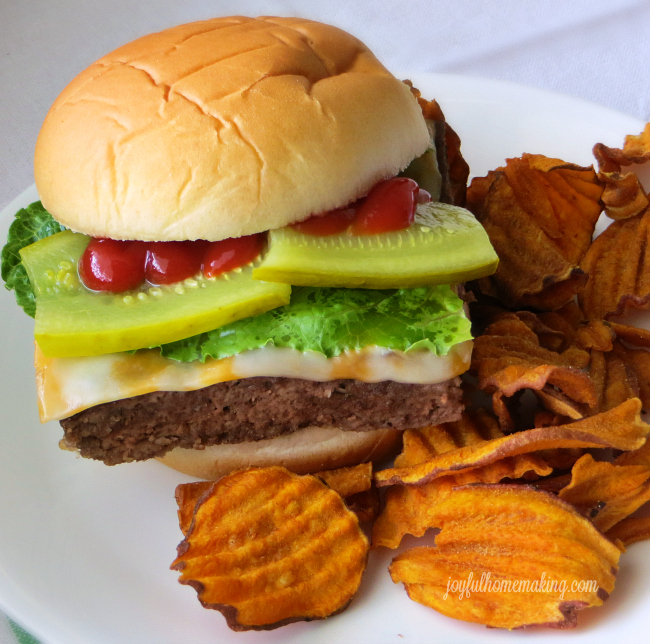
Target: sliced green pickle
[(73, 321), (445, 244)]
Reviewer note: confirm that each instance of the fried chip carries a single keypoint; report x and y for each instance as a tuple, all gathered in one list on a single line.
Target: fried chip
[(635, 150), (364, 504), (498, 544), (605, 491), (540, 215), (632, 334), (508, 358), (623, 196), (622, 383), (348, 480), (638, 361), (618, 265), (407, 507), (630, 530), (620, 428), (187, 495), (267, 548)]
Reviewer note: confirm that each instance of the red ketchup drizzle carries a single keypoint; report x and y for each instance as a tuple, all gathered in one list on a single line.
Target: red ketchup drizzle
[(116, 266), (389, 206), (111, 265), (327, 223), (225, 255)]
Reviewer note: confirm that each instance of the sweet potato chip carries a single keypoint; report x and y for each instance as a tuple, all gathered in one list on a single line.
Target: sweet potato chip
[(605, 491), (407, 508), (618, 264), (267, 548), (348, 480), (635, 150), (623, 196), (595, 334), (364, 504), (621, 383), (632, 334), (187, 496), (620, 428), (509, 556), (630, 530), (508, 358), (540, 215), (638, 362)]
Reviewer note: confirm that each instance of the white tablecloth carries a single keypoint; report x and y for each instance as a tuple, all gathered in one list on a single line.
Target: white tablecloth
[(598, 50)]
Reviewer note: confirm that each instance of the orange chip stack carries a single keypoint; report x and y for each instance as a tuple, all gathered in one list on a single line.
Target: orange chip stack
[(509, 556), (407, 507), (267, 548)]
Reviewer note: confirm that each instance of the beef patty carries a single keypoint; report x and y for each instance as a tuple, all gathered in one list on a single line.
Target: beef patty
[(252, 409)]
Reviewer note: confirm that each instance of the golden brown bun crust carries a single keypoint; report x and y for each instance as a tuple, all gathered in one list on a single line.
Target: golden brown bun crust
[(303, 452), (223, 128)]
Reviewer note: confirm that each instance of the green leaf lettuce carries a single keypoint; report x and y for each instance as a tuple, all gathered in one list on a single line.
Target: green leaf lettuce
[(333, 320), (30, 225)]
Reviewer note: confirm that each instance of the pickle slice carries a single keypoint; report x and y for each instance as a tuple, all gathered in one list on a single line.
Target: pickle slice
[(445, 244), (73, 321)]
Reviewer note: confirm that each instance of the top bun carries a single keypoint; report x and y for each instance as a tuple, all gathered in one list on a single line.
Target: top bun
[(223, 128)]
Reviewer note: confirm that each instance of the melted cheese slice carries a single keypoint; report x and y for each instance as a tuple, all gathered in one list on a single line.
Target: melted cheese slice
[(69, 385)]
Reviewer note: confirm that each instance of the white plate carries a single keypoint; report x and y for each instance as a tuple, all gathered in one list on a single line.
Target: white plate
[(85, 549)]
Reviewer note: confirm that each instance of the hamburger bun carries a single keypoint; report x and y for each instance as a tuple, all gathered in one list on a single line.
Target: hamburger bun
[(304, 452), (223, 128)]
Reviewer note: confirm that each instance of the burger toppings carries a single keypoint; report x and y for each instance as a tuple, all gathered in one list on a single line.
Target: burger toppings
[(74, 321), (444, 244), (117, 266), (389, 206)]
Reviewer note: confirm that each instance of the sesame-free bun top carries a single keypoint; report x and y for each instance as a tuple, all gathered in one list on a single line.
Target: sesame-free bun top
[(223, 128)]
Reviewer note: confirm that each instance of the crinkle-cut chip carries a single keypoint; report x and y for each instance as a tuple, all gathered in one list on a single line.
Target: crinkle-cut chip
[(454, 186), (635, 150), (508, 358), (187, 496), (639, 456), (364, 504), (595, 334), (407, 507), (632, 334), (267, 547), (598, 375), (630, 530), (605, 491), (618, 264), (509, 538), (574, 383), (540, 215), (559, 404), (638, 362), (622, 382), (620, 428), (623, 196), (348, 480)]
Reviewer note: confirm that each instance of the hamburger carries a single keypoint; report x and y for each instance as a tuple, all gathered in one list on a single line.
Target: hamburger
[(245, 253)]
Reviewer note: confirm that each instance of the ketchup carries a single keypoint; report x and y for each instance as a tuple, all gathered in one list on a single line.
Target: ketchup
[(169, 262), (328, 223), (115, 266), (223, 256), (389, 206), (111, 265)]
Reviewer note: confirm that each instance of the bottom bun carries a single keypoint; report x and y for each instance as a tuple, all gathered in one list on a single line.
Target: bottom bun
[(306, 451)]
